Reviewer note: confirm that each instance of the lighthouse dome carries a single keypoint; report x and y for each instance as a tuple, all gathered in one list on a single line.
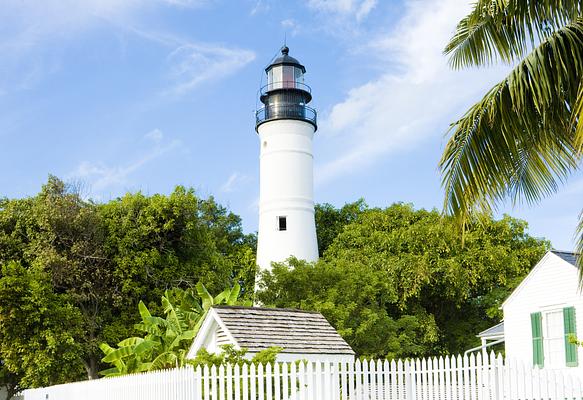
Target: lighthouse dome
[(286, 59), (285, 72)]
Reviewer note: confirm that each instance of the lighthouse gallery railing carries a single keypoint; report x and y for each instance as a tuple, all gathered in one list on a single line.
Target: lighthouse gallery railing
[(286, 111)]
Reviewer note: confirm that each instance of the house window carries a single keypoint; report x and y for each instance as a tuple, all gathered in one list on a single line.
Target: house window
[(282, 223), (554, 338)]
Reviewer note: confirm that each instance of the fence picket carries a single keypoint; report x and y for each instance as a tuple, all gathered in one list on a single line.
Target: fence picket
[(447, 368), (311, 378), (260, 382), (400, 380), (293, 382), (379, 378), (245, 385), (434, 380), (479, 376), (343, 371), (268, 382), (276, 380), (387, 380), (357, 380), (253, 382), (302, 381), (441, 374)]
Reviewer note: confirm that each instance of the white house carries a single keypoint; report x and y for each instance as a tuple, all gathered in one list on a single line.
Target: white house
[(303, 335), (542, 313)]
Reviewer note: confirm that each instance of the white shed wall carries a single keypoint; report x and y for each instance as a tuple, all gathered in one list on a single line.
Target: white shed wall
[(553, 284)]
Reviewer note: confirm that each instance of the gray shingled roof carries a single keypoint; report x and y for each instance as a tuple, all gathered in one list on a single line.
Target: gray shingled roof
[(296, 331), (496, 330), (568, 256)]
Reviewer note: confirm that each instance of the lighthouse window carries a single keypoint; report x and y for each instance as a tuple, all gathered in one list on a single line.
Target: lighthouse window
[(270, 79), (299, 75), (282, 223), (276, 77), (288, 76)]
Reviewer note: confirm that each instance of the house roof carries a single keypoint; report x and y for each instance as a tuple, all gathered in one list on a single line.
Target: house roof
[(297, 331), (568, 256), (496, 331)]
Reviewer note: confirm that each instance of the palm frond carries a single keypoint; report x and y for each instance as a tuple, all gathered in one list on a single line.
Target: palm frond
[(577, 120), (579, 246), (518, 141), (506, 29)]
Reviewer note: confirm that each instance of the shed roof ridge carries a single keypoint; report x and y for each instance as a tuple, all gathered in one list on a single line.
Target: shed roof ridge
[(265, 309)]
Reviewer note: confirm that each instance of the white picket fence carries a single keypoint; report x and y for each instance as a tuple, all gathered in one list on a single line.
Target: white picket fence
[(449, 378)]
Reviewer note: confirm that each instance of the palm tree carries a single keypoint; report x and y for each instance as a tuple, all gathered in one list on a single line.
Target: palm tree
[(525, 137)]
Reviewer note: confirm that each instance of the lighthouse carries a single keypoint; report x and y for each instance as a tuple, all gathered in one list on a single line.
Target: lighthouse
[(286, 125)]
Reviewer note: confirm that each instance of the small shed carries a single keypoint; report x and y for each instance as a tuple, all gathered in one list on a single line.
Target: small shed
[(303, 335)]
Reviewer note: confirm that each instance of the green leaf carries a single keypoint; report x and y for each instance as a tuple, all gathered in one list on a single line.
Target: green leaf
[(234, 295), (144, 312), (207, 299), (118, 354)]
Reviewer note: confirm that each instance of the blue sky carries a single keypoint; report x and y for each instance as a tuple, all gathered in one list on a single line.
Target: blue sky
[(128, 95)]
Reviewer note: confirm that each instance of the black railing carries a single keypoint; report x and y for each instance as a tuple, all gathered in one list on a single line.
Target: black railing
[(291, 84), (286, 111)]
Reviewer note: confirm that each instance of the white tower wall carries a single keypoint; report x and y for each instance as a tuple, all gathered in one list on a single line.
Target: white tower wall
[(286, 190)]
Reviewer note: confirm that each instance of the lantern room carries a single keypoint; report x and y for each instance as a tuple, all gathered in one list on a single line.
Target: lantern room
[(285, 72), (285, 96)]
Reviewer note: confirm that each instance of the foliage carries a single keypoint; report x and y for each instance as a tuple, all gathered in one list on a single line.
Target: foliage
[(39, 329), (397, 282), (167, 340), (330, 221), (525, 136), (230, 355), (92, 263)]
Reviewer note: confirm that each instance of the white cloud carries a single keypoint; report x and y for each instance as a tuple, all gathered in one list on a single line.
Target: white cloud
[(29, 27), (358, 8), (100, 176), (155, 135), (234, 180), (192, 64), (417, 99), (260, 6), (290, 26)]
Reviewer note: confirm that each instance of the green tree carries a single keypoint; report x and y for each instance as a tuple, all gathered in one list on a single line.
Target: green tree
[(397, 282), (525, 136), (330, 221), (56, 238), (99, 260), (40, 330)]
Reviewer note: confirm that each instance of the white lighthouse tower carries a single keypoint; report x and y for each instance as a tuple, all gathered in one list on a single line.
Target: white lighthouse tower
[(286, 126)]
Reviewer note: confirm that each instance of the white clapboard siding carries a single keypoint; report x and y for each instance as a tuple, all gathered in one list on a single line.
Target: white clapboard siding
[(473, 377)]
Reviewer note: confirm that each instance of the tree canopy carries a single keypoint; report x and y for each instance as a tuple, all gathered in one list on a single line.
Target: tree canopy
[(398, 282), (73, 271)]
